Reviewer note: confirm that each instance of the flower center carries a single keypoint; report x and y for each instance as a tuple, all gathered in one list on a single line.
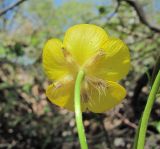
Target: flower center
[(89, 83)]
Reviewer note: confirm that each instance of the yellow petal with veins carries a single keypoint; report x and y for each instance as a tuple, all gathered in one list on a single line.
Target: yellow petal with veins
[(83, 40), (53, 60), (115, 64), (103, 101), (61, 93)]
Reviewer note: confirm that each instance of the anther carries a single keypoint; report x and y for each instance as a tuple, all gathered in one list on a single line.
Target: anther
[(70, 61), (85, 97), (67, 55), (100, 54)]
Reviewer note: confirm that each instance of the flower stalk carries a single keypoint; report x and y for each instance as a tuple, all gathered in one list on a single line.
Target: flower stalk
[(140, 136), (78, 112)]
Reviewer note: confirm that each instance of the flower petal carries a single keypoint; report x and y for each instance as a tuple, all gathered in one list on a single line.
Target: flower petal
[(115, 64), (101, 102), (61, 93), (84, 40), (53, 60)]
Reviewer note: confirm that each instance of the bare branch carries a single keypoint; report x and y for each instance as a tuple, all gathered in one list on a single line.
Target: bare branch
[(115, 11), (11, 7), (141, 14), (109, 17)]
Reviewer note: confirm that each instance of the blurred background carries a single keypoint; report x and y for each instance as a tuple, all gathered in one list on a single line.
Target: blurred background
[(27, 119)]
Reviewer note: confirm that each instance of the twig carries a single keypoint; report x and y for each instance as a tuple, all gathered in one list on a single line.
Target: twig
[(141, 15), (11, 7), (115, 11), (127, 121), (109, 16)]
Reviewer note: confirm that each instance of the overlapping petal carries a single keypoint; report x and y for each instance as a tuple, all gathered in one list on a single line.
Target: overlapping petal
[(53, 60), (101, 102), (115, 64), (83, 40), (61, 93)]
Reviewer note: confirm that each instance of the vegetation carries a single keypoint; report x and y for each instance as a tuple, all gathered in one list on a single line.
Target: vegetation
[(28, 120)]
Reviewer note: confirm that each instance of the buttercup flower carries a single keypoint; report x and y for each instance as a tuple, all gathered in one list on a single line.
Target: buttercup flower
[(104, 59)]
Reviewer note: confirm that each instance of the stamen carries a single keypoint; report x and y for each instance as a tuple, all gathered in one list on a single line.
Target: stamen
[(61, 83), (56, 87), (85, 92), (70, 60), (98, 84), (67, 55), (101, 53), (85, 97)]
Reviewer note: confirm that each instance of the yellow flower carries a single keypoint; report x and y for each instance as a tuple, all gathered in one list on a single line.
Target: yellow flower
[(104, 60)]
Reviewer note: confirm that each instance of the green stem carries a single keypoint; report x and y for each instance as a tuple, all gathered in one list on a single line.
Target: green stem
[(78, 112), (146, 114)]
